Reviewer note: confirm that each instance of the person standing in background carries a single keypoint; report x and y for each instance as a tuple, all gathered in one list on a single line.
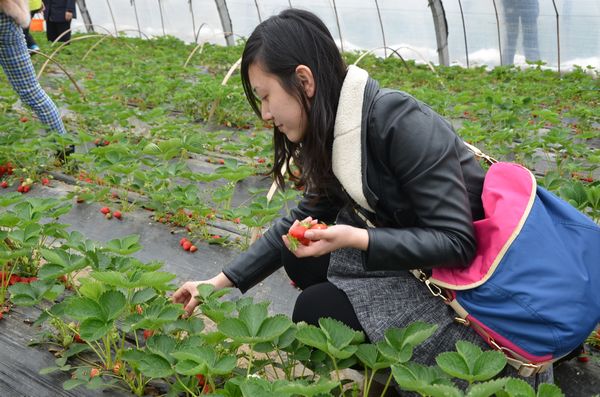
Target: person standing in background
[(523, 14), (16, 63), (35, 6), (58, 15)]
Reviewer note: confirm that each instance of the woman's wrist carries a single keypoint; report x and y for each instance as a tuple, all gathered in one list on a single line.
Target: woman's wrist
[(360, 239), (221, 281)]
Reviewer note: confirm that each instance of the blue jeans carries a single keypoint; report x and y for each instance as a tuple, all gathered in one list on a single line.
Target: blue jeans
[(521, 14), (16, 62)]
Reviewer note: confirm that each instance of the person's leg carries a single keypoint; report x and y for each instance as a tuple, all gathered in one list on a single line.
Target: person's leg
[(19, 70), (28, 38), (511, 29), (324, 300), (62, 27), (31, 43), (52, 30), (305, 272), (529, 16)]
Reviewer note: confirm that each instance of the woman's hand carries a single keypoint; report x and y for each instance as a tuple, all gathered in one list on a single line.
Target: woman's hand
[(324, 241), (188, 292), (68, 16)]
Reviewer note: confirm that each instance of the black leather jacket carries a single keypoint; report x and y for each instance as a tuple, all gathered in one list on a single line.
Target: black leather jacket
[(422, 182)]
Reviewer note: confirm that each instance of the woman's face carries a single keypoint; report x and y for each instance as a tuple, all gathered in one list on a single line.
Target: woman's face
[(277, 105)]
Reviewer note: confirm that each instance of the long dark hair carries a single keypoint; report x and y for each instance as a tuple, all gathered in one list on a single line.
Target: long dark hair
[(279, 44)]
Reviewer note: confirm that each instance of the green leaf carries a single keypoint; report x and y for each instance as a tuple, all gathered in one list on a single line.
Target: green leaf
[(488, 365), (124, 246), (156, 280), (234, 328), (337, 333), (73, 383), (488, 388), (155, 366), (84, 308), (33, 293), (454, 364), (224, 366), (549, 390), (311, 336), (424, 380), (253, 316), (518, 387), (274, 326), (112, 278), (113, 303), (143, 296), (162, 345), (92, 329)]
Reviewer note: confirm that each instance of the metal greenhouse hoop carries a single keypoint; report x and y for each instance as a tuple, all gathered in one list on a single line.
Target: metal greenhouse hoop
[(62, 46), (61, 67), (201, 46), (364, 54), (216, 102)]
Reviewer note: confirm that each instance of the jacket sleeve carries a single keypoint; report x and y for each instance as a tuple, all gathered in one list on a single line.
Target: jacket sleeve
[(264, 256), (422, 152), (71, 6)]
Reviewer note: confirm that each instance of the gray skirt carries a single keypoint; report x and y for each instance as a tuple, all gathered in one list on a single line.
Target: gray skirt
[(386, 299)]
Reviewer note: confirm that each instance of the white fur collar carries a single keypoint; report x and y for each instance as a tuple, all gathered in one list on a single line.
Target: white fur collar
[(17, 10), (347, 149)]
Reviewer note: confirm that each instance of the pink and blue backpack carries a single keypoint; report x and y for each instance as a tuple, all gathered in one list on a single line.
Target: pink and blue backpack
[(533, 289)]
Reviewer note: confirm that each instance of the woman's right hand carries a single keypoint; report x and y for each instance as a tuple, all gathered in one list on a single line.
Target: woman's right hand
[(188, 292)]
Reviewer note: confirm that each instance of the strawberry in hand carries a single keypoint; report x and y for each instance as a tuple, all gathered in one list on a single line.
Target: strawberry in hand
[(296, 235)]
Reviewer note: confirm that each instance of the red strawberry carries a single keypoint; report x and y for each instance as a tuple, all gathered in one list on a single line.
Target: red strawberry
[(117, 214), (221, 161), (4, 184), (296, 236), (583, 358), (183, 240), (20, 189), (261, 160), (201, 380), (193, 248), (148, 333), (45, 181), (106, 142), (187, 245), (105, 210), (94, 372), (24, 119), (77, 339), (26, 188), (319, 226)]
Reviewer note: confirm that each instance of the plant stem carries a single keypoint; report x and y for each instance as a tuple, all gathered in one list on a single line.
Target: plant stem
[(250, 359), (387, 384)]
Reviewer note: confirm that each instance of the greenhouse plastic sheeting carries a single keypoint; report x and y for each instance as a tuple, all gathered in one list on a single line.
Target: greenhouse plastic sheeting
[(480, 32)]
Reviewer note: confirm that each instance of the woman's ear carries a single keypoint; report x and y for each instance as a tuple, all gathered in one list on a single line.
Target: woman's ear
[(305, 76)]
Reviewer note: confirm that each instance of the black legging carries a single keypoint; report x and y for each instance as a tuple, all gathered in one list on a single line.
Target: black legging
[(319, 298)]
